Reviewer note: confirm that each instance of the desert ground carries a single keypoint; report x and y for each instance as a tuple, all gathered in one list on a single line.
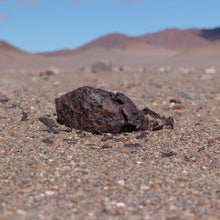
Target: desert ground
[(49, 171)]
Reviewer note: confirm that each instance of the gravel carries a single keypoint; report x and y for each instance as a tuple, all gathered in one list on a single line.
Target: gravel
[(51, 172)]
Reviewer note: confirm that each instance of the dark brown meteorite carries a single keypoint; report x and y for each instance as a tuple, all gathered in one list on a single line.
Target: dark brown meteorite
[(99, 111)]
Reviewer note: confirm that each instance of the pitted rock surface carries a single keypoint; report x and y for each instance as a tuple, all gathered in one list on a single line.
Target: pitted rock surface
[(100, 111)]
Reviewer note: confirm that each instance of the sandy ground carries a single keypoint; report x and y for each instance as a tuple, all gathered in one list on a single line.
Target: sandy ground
[(63, 174)]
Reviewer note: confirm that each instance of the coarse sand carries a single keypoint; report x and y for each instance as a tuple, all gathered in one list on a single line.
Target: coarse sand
[(52, 172)]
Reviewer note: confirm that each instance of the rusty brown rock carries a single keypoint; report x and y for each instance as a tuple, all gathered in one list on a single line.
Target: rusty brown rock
[(47, 73), (100, 111)]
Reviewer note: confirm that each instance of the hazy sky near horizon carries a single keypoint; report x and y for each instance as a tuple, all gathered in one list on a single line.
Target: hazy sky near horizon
[(45, 25)]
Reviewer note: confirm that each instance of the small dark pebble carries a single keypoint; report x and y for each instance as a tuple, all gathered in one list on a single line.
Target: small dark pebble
[(133, 145), (201, 149), (198, 124), (47, 141), (24, 116), (178, 113), (70, 141), (170, 154), (107, 138), (106, 146), (4, 99), (175, 101), (142, 135), (48, 122)]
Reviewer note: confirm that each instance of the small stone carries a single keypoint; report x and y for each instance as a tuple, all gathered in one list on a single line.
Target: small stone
[(48, 122), (46, 73), (121, 182), (133, 145), (201, 149), (120, 205), (190, 95), (49, 193), (24, 116), (106, 146), (175, 101), (47, 141), (170, 154), (101, 66), (3, 98), (210, 70)]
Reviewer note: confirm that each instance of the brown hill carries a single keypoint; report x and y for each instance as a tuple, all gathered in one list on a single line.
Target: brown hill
[(168, 47), (13, 57), (174, 39), (109, 41), (8, 48)]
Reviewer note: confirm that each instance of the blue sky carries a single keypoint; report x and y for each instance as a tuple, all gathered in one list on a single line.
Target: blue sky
[(45, 25)]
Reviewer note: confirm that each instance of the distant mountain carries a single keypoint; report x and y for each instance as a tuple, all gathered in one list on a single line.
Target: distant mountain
[(13, 57), (210, 34), (8, 48), (167, 47), (109, 41), (173, 39)]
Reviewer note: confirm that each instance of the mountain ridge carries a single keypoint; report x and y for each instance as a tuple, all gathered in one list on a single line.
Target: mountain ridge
[(174, 39)]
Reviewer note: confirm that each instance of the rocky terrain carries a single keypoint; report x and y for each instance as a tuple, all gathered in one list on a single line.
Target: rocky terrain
[(49, 171)]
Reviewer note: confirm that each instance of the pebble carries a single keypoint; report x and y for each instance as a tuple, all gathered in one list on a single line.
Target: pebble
[(121, 182), (120, 205), (210, 70), (190, 95), (133, 145), (3, 98), (49, 193), (69, 178)]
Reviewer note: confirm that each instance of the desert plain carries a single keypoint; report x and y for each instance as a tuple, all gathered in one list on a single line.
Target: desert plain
[(49, 171)]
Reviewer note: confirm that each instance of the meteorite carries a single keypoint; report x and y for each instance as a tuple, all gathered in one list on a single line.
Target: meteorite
[(99, 111)]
